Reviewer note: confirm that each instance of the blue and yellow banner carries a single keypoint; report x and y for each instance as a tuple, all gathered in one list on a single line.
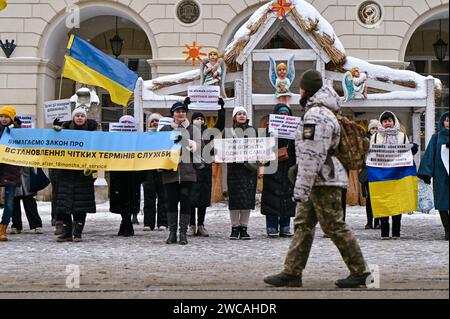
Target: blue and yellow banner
[(77, 150), (87, 64), (393, 190)]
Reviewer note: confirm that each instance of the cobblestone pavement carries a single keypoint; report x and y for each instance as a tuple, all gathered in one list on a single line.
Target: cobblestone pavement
[(415, 266)]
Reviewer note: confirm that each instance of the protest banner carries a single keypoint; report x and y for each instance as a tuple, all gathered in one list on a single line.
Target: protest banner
[(123, 127), (393, 183), (390, 155), (204, 98), (282, 126), (57, 109), (27, 120), (75, 149), (238, 150)]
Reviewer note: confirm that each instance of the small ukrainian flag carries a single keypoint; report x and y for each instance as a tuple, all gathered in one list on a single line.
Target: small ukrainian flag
[(87, 64)]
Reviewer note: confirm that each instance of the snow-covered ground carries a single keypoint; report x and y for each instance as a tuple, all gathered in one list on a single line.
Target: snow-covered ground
[(30, 262)]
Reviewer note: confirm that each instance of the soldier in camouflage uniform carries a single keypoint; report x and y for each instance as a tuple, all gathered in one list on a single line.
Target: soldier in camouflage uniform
[(318, 188)]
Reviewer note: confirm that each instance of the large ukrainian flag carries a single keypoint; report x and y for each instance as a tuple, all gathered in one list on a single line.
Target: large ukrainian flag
[(89, 65), (393, 190)]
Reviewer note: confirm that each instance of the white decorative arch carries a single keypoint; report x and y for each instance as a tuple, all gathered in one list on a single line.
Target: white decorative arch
[(56, 31), (422, 19)]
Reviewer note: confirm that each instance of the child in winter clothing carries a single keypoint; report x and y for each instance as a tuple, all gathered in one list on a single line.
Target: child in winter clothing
[(75, 195), (9, 174), (432, 167), (241, 180), (389, 133)]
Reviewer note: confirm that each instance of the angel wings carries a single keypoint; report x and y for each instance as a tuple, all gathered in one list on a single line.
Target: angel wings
[(354, 85), (282, 76)]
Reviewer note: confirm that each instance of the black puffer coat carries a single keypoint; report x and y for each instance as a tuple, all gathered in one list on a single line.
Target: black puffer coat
[(125, 191), (10, 174), (201, 191), (242, 182), (74, 191), (278, 190)]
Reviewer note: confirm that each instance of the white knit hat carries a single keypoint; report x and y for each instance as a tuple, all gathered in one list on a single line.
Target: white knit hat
[(373, 123), (79, 110), (127, 118), (238, 109)]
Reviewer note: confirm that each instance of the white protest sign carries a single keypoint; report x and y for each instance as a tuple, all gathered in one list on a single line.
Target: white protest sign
[(27, 120), (444, 156), (390, 155), (123, 127), (283, 126), (57, 109), (163, 122), (237, 150), (204, 97)]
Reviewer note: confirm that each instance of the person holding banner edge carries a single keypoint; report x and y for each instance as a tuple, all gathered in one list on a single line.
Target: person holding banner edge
[(432, 167), (75, 195), (9, 174), (178, 184)]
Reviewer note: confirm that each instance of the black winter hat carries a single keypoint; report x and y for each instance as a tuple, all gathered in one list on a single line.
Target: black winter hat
[(197, 115), (311, 81), (177, 106)]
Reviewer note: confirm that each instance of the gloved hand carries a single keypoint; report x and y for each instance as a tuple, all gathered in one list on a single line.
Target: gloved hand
[(87, 172), (187, 100), (57, 125), (192, 146), (292, 174), (221, 102), (426, 179), (9, 127), (178, 138), (414, 148)]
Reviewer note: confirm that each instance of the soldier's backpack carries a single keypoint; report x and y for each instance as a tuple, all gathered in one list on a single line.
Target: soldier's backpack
[(353, 145)]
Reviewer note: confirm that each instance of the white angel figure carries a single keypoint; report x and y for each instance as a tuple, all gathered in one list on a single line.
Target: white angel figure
[(354, 85), (281, 78)]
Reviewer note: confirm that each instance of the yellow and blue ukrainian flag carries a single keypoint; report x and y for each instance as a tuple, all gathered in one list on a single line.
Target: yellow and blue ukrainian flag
[(87, 64), (393, 190)]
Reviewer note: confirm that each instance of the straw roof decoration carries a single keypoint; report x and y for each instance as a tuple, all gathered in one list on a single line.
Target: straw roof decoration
[(310, 26)]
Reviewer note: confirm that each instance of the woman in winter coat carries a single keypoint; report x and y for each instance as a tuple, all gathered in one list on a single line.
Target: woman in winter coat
[(125, 193), (25, 194), (389, 133), (241, 179), (9, 174), (278, 191), (201, 192), (178, 184), (432, 167), (75, 195), (363, 178), (155, 206)]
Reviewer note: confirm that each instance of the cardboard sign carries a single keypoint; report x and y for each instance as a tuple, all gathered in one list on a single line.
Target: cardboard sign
[(27, 120), (123, 127), (390, 155), (282, 126), (57, 109), (204, 98), (163, 122), (239, 150)]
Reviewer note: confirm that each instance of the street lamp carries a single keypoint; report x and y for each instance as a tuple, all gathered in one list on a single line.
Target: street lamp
[(116, 43), (440, 47)]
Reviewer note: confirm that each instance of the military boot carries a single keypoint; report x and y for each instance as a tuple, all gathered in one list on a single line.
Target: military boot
[(172, 219), (78, 230), (355, 281), (284, 280), (66, 233)]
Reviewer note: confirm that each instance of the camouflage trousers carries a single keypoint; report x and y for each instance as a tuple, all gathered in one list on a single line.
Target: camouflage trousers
[(324, 206)]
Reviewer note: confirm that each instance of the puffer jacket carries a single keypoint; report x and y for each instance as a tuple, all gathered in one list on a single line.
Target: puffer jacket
[(185, 171), (10, 174), (317, 135)]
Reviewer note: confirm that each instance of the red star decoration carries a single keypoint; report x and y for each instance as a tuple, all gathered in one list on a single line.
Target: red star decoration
[(282, 7)]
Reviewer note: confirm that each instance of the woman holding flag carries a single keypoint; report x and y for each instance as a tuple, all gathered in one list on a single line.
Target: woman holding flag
[(389, 133)]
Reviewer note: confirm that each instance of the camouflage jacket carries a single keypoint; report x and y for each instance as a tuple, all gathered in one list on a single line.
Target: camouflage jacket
[(319, 133)]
